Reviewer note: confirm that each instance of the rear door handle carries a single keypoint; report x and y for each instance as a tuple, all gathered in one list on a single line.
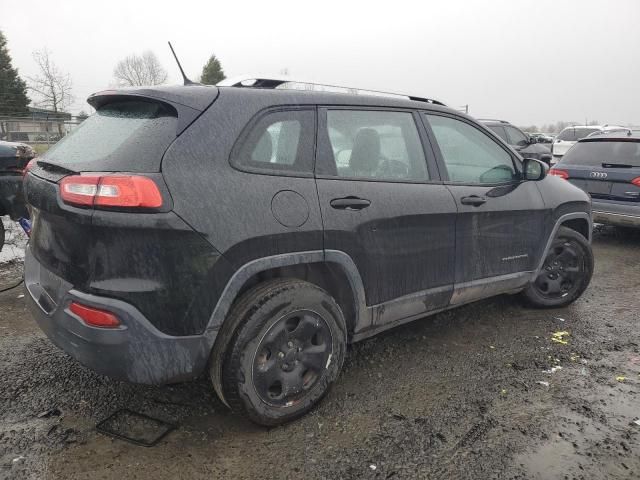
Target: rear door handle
[(474, 200), (350, 203)]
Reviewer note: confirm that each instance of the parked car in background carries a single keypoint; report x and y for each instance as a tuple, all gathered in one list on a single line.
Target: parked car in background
[(525, 145), (14, 158), (541, 137), (607, 166), (568, 137), (251, 233)]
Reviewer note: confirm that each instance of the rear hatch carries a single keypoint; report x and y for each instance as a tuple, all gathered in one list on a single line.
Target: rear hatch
[(606, 168), (102, 218)]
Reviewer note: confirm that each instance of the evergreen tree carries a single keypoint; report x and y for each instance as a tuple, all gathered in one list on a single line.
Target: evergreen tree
[(13, 90), (212, 72)]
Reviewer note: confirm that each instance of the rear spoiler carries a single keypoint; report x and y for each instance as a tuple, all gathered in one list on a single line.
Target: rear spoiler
[(188, 101)]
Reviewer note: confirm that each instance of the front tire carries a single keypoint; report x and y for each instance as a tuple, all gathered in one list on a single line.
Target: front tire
[(565, 274), (286, 352)]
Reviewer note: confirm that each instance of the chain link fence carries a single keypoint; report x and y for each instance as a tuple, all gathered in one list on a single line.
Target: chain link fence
[(40, 133)]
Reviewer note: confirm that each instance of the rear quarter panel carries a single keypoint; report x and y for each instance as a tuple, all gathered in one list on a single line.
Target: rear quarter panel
[(233, 209)]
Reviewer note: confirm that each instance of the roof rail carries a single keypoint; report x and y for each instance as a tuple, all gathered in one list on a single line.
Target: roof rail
[(491, 120), (271, 81)]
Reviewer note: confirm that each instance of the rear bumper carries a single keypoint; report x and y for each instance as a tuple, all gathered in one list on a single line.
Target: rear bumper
[(616, 214), (136, 352)]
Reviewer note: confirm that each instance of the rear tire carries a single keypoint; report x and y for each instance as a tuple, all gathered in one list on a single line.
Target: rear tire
[(565, 274), (286, 351)]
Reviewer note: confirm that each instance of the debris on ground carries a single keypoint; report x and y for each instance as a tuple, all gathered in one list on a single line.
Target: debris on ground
[(544, 384), (559, 337), (553, 369), (621, 378)]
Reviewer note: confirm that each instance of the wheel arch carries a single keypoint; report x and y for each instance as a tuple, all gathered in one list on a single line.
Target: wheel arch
[(332, 270), (578, 221)]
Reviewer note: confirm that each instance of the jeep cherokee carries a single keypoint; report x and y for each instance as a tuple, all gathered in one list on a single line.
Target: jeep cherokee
[(252, 232)]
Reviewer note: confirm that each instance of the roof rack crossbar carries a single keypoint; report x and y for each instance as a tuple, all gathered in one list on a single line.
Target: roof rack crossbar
[(259, 81)]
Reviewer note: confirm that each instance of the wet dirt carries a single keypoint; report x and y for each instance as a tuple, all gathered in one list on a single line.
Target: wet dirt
[(455, 395)]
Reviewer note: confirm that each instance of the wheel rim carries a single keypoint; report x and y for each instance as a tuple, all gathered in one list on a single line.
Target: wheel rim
[(563, 270), (291, 358)]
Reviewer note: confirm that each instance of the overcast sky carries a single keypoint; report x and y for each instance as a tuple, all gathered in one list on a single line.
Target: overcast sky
[(528, 61)]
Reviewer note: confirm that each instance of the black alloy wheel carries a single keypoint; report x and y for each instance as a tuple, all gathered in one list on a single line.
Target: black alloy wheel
[(291, 357), (565, 273), (563, 269)]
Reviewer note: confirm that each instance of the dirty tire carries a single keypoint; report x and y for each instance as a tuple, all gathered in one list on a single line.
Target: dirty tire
[(571, 251), (288, 330)]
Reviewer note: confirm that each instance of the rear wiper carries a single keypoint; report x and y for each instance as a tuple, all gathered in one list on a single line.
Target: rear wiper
[(617, 165)]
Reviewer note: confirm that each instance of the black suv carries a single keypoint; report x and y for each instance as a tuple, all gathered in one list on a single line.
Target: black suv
[(252, 232), (607, 166), (528, 146)]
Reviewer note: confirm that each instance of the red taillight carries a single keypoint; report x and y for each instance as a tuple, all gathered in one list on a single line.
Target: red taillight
[(94, 316), (129, 191), (636, 181), (559, 173), (28, 166)]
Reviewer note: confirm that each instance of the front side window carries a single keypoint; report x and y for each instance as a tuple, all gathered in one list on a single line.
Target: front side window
[(280, 141), (374, 144), (517, 137), (470, 155)]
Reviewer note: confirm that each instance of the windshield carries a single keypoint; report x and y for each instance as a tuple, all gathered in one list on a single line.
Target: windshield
[(122, 136), (575, 134), (596, 153)]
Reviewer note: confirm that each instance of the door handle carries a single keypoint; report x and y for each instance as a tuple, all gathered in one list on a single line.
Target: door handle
[(474, 200), (350, 203)]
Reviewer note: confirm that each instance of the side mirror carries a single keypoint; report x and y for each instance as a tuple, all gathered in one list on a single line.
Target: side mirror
[(533, 140), (533, 169)]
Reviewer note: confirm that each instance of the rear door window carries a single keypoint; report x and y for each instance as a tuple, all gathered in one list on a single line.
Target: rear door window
[(281, 141), (372, 144), (129, 136)]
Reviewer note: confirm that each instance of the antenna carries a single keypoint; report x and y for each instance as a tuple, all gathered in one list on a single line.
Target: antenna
[(184, 77)]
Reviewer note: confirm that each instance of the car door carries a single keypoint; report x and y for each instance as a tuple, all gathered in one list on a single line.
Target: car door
[(383, 204), (501, 219)]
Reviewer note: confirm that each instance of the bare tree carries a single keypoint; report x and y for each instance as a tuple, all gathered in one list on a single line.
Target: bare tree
[(137, 70), (52, 87)]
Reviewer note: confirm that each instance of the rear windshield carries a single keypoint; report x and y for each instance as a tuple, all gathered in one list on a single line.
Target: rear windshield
[(596, 153), (575, 134), (126, 136)]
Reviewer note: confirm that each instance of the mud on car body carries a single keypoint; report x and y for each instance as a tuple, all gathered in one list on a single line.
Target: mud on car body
[(250, 233)]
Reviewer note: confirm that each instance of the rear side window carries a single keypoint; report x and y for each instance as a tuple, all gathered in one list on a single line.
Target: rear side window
[(592, 154), (575, 134), (499, 130), (281, 141), (470, 155), (370, 144), (126, 136)]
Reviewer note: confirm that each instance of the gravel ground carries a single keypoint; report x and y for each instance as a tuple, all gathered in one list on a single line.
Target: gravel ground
[(457, 395)]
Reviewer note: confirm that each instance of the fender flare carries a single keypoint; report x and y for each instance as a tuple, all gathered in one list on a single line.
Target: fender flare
[(556, 227), (222, 336)]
